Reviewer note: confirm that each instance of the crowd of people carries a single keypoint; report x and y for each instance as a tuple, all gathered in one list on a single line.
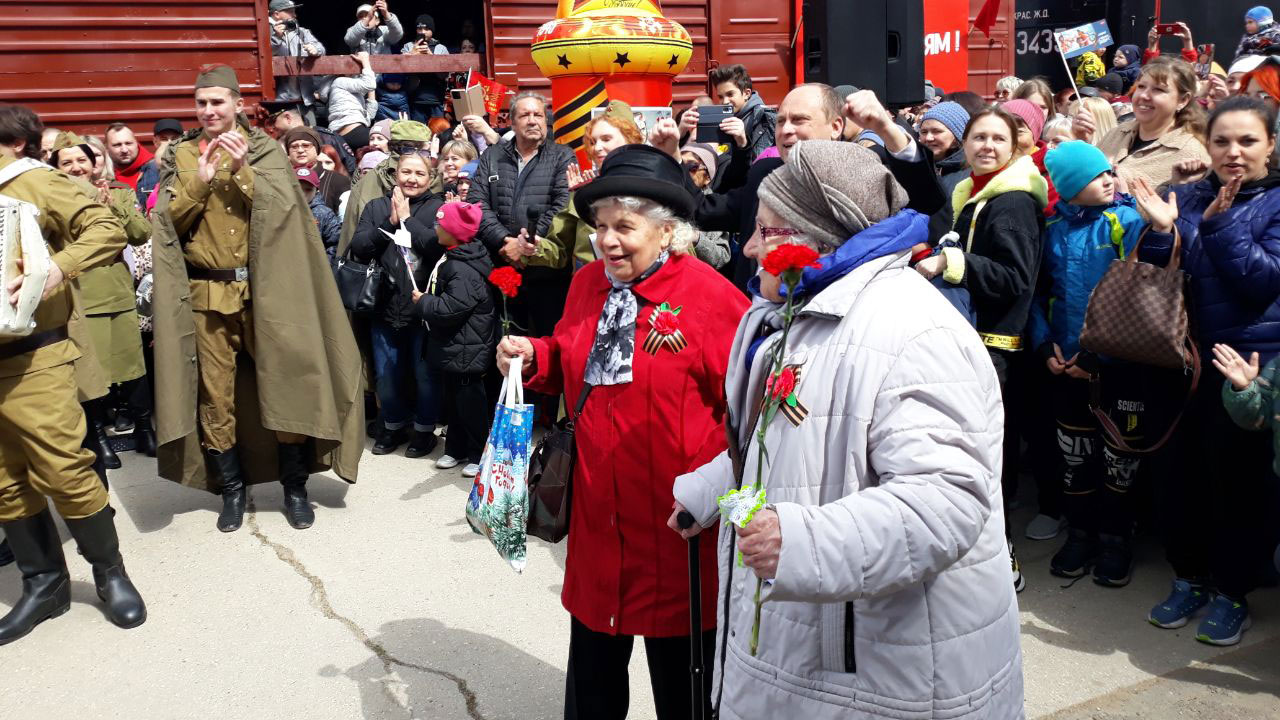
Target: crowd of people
[(924, 357)]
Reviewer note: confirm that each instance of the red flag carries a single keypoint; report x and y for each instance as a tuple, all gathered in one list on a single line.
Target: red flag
[(494, 92), (987, 16)]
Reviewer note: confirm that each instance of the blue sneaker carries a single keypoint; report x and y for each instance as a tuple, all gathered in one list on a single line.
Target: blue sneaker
[(1184, 601), (1225, 623)]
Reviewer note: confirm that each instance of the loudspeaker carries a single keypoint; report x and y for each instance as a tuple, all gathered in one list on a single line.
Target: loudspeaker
[(874, 45)]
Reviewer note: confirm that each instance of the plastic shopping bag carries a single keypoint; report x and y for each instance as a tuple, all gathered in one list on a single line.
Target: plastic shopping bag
[(498, 506)]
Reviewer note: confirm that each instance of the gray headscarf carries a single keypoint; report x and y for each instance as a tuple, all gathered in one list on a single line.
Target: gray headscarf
[(832, 190)]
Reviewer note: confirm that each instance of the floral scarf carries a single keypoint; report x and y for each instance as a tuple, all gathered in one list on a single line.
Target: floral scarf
[(609, 362)]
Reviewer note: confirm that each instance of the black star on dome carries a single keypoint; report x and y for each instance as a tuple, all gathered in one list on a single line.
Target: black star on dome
[(563, 60), (622, 59), (673, 61)]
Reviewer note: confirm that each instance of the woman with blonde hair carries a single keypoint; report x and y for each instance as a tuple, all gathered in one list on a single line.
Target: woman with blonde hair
[(1165, 131), (1037, 92), (1101, 112)]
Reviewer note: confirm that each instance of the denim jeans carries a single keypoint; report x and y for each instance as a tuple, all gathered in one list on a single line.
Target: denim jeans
[(407, 390)]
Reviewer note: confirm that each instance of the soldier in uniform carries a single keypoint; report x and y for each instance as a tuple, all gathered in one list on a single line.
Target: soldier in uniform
[(41, 423), (109, 305), (240, 268)]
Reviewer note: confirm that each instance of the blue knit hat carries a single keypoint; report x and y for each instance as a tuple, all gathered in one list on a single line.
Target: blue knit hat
[(952, 115), (1073, 165), (1260, 14)]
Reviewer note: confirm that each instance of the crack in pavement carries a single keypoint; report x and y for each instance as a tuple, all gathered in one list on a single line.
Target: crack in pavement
[(320, 600)]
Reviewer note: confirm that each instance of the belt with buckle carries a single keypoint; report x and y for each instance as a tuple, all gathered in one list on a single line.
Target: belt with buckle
[(32, 342), (239, 274), (1002, 342)]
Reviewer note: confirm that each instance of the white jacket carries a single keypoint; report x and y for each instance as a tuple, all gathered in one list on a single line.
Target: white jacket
[(894, 596)]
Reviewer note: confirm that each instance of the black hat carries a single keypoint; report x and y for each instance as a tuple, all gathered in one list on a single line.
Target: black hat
[(427, 22), (638, 171), (1111, 82), (167, 125)]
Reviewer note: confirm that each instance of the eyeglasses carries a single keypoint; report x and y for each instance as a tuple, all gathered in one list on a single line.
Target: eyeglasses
[(405, 147), (693, 166), (773, 232)]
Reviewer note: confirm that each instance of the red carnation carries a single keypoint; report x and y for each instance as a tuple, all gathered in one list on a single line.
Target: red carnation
[(507, 280), (666, 323), (789, 258), (784, 385)]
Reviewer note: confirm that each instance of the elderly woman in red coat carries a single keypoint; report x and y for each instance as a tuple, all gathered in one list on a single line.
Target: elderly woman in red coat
[(646, 332)]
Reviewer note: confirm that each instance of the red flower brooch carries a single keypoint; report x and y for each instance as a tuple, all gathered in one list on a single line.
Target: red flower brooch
[(665, 322), (780, 388)]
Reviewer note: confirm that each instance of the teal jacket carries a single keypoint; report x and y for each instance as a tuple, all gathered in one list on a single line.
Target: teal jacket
[(1257, 407)]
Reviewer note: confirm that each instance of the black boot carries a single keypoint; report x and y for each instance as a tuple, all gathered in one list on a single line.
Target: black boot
[(6, 555), (420, 444), (99, 544), (46, 585), (293, 476), (144, 436), (97, 441), (234, 494)]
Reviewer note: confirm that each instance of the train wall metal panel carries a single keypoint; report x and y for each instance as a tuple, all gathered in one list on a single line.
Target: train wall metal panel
[(84, 64)]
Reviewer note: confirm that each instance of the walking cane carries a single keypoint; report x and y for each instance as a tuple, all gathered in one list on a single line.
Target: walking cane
[(696, 671)]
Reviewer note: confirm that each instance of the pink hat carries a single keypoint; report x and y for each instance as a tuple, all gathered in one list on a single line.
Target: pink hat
[(1029, 113), (462, 220)]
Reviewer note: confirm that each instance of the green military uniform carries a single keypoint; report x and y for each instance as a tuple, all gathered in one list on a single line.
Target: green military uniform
[(41, 423), (215, 217), (109, 302)]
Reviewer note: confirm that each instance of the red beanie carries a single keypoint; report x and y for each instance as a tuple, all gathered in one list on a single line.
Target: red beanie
[(460, 219)]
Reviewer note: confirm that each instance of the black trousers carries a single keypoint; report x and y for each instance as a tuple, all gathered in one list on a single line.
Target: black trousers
[(597, 685), (1098, 477), (467, 412), (1008, 367), (1216, 505)]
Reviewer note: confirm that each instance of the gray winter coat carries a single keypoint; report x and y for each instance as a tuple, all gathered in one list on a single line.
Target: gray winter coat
[(383, 40), (893, 596)]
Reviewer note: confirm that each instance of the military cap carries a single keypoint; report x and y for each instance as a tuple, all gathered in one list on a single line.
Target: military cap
[(410, 130), (218, 76)]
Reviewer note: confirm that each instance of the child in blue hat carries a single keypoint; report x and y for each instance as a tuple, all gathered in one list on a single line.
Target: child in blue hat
[(1261, 34), (1095, 223)]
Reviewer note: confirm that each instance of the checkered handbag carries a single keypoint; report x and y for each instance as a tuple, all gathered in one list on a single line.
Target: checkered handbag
[(1138, 313)]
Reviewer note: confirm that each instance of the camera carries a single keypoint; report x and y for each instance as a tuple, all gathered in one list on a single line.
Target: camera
[(290, 25)]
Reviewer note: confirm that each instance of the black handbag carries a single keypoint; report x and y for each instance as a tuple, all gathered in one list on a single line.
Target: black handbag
[(551, 478), (359, 284)]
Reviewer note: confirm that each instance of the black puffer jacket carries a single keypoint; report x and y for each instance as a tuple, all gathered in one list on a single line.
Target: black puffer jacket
[(370, 243), (461, 312), (506, 195)]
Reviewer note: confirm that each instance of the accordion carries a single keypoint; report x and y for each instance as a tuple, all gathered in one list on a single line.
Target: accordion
[(21, 239)]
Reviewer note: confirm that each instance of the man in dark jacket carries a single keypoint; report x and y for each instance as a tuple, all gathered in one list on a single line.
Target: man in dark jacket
[(520, 185), (135, 165), (461, 317), (815, 111)]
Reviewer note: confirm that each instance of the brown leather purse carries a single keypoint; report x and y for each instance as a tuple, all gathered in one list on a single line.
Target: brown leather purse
[(1138, 313), (551, 478)]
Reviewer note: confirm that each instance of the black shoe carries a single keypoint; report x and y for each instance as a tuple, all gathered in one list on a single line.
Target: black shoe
[(234, 495), (46, 585), (1077, 555), (1115, 563), (421, 444), (293, 476), (123, 423), (144, 436), (97, 435), (389, 440), (99, 544), (6, 555)]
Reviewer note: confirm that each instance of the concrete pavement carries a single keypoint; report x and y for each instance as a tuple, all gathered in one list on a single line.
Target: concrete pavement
[(391, 608)]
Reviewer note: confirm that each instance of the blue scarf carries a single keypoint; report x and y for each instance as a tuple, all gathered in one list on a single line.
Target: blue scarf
[(893, 235)]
